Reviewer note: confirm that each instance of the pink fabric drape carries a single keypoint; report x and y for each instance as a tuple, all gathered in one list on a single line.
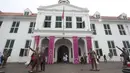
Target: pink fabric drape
[(51, 50), (37, 39), (89, 47), (75, 47)]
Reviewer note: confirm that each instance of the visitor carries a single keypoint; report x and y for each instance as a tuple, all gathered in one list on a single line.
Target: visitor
[(105, 59), (0, 58), (85, 58), (36, 61), (32, 60), (5, 58), (82, 60), (94, 62), (65, 58), (125, 56), (42, 59)]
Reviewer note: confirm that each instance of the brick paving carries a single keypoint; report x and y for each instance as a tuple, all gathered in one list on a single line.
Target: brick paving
[(113, 67)]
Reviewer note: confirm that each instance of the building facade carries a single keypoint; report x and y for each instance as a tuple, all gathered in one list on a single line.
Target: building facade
[(63, 28)]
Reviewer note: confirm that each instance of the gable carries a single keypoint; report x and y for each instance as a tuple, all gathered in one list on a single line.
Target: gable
[(66, 7)]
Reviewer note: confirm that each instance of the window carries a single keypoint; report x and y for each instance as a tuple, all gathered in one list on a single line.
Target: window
[(126, 45), (111, 47), (121, 29), (15, 26), (31, 27), (24, 51), (96, 44), (47, 22), (58, 22), (68, 22), (98, 50), (1, 23), (97, 16), (79, 22), (26, 13), (93, 29), (8, 46), (107, 29)]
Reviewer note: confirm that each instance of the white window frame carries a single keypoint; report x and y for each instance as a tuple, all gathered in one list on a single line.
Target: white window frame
[(107, 29), (48, 21), (70, 21), (15, 26), (112, 47), (32, 28), (80, 22), (121, 30), (58, 21)]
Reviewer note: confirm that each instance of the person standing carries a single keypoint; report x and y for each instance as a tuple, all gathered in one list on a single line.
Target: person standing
[(36, 61), (105, 59), (125, 56), (42, 59), (85, 58), (93, 58), (5, 58)]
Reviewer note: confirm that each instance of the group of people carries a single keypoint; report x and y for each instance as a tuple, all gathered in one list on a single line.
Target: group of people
[(125, 55), (37, 59), (4, 58), (65, 58), (83, 59)]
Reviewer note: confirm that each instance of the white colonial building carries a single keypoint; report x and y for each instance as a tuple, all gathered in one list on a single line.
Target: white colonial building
[(63, 28)]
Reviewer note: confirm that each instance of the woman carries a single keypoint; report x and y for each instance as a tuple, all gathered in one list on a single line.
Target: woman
[(36, 61)]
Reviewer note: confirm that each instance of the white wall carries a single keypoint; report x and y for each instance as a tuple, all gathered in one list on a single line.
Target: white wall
[(20, 37), (116, 37)]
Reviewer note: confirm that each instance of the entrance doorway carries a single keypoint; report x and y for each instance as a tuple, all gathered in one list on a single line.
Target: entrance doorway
[(61, 51)]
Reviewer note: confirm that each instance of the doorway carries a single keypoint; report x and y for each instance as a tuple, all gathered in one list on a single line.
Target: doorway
[(61, 51)]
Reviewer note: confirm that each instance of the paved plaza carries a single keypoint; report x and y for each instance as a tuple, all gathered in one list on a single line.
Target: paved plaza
[(113, 67)]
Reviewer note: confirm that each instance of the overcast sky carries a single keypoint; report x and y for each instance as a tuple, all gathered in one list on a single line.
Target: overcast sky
[(105, 7)]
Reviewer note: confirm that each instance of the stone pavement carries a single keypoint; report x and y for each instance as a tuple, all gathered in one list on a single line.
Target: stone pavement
[(113, 67)]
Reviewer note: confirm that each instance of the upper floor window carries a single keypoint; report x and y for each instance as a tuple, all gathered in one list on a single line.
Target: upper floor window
[(15, 26), (107, 29), (31, 27), (68, 22), (121, 29), (126, 44), (26, 13), (47, 22), (1, 23), (112, 49), (58, 22), (93, 29), (80, 23), (97, 16), (9, 45)]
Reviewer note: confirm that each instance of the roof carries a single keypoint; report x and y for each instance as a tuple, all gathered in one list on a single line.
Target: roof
[(108, 17), (14, 14), (35, 14)]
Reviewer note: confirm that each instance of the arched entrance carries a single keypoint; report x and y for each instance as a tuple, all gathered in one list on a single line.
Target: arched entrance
[(62, 46), (61, 51)]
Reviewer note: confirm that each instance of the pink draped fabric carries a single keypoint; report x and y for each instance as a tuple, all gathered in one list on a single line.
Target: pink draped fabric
[(51, 50), (37, 39), (75, 47), (89, 46)]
